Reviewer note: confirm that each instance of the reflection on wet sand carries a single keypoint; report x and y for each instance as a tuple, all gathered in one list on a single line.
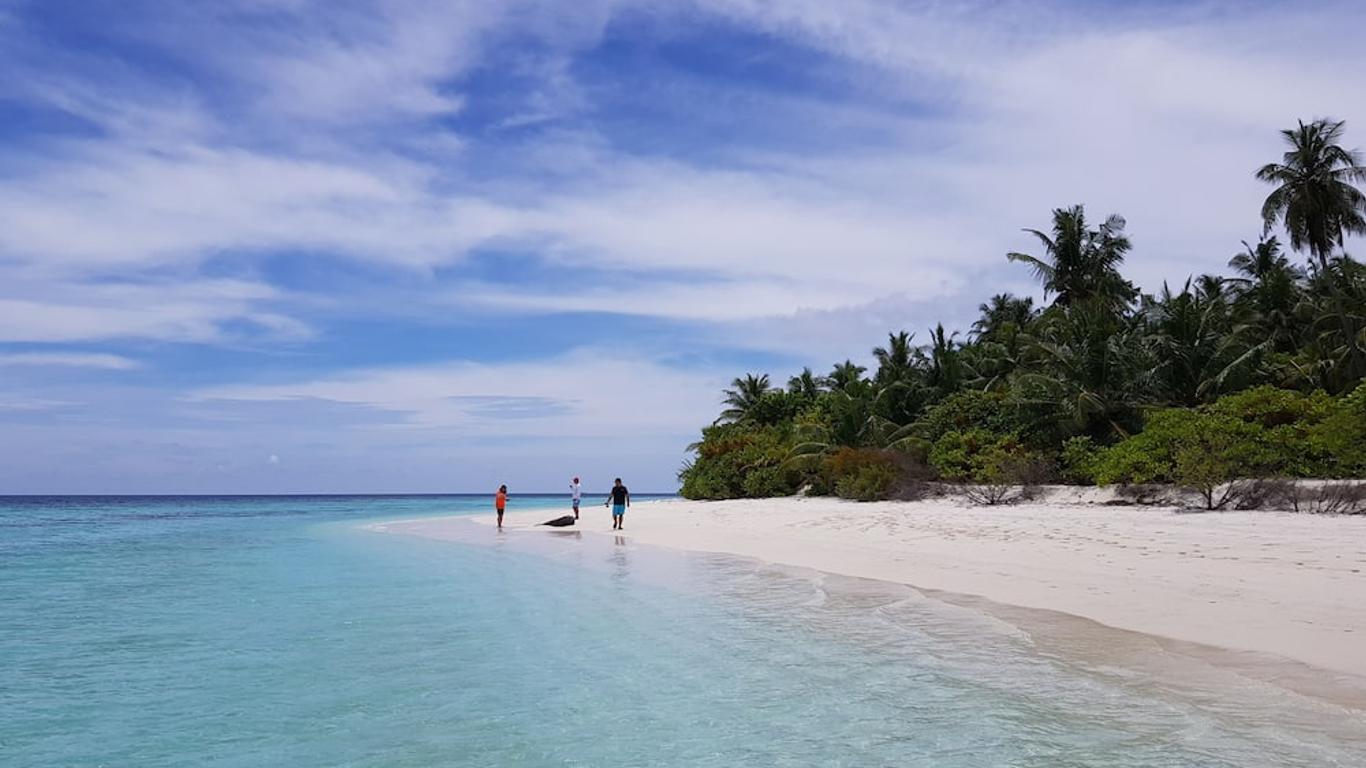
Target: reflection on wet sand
[(620, 559)]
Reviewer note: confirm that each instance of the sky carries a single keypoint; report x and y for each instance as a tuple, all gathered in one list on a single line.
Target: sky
[(289, 246)]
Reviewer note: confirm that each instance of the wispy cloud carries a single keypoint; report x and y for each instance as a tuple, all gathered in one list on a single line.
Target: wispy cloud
[(590, 393), (69, 359), (184, 311)]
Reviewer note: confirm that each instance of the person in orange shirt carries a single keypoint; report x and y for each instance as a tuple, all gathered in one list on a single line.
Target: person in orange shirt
[(500, 502)]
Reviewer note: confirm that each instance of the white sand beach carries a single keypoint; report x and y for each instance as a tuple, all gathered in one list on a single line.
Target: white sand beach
[(1275, 583)]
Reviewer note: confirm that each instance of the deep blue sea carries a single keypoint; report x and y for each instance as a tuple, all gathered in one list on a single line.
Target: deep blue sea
[(255, 631)]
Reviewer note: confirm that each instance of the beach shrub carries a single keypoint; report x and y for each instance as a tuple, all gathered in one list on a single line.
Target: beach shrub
[(993, 468), (968, 410), (1340, 438), (871, 482), (1207, 467), (1077, 461), (1261, 432), (967, 455), (1272, 407), (1000, 475), (1169, 450), (862, 474), (763, 482), (1286, 422), (729, 454)]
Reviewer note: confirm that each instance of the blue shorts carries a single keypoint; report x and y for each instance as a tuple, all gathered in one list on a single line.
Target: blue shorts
[(618, 510)]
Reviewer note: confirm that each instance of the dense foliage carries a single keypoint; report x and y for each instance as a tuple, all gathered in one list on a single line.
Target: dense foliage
[(1253, 374)]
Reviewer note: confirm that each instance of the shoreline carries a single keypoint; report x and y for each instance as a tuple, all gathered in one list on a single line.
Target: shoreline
[(1256, 589)]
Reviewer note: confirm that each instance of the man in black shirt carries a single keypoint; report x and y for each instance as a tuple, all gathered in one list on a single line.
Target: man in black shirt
[(620, 499)]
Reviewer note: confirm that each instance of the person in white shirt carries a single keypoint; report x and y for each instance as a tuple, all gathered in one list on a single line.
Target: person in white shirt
[(575, 493)]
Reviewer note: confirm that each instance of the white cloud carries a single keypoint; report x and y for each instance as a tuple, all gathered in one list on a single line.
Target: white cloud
[(188, 311), (69, 359), (588, 393), (11, 401), (1161, 120)]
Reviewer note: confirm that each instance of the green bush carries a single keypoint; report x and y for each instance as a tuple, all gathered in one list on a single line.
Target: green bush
[(1211, 455), (968, 410), (1271, 407), (1180, 443), (1340, 439), (870, 482), (1078, 460), (1261, 432), (1287, 424), (729, 454), (864, 474), (980, 456), (764, 482), (1147, 457), (952, 454)]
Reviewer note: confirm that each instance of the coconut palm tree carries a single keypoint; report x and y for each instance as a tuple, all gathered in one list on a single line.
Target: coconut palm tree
[(1332, 303), (1086, 371), (988, 363), (1198, 351), (844, 375), (1081, 264), (1315, 196), (805, 384), (744, 394), (1317, 202), (1000, 310), (944, 372), (896, 361), (1255, 262), (1267, 291), (1210, 288)]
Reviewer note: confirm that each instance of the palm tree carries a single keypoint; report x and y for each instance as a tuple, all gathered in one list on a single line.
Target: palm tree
[(1198, 352), (805, 384), (1000, 310), (896, 361), (844, 375), (1085, 372), (944, 373), (1211, 288), (1268, 289), (1256, 262), (988, 363), (744, 394), (1314, 197), (1330, 304), (1316, 201), (1081, 264)]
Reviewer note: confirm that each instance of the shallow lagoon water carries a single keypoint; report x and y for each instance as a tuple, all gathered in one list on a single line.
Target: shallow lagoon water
[(286, 631)]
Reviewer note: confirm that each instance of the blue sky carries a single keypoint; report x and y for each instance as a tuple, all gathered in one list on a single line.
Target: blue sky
[(294, 246)]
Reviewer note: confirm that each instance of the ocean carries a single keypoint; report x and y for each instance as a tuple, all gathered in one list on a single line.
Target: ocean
[(289, 631)]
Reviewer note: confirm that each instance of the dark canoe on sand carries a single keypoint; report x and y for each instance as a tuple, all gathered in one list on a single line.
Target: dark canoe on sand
[(560, 522)]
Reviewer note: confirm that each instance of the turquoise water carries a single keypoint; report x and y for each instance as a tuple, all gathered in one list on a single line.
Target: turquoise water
[(282, 631)]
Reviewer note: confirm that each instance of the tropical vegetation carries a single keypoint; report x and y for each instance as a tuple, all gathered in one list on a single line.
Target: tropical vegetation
[(1254, 373)]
